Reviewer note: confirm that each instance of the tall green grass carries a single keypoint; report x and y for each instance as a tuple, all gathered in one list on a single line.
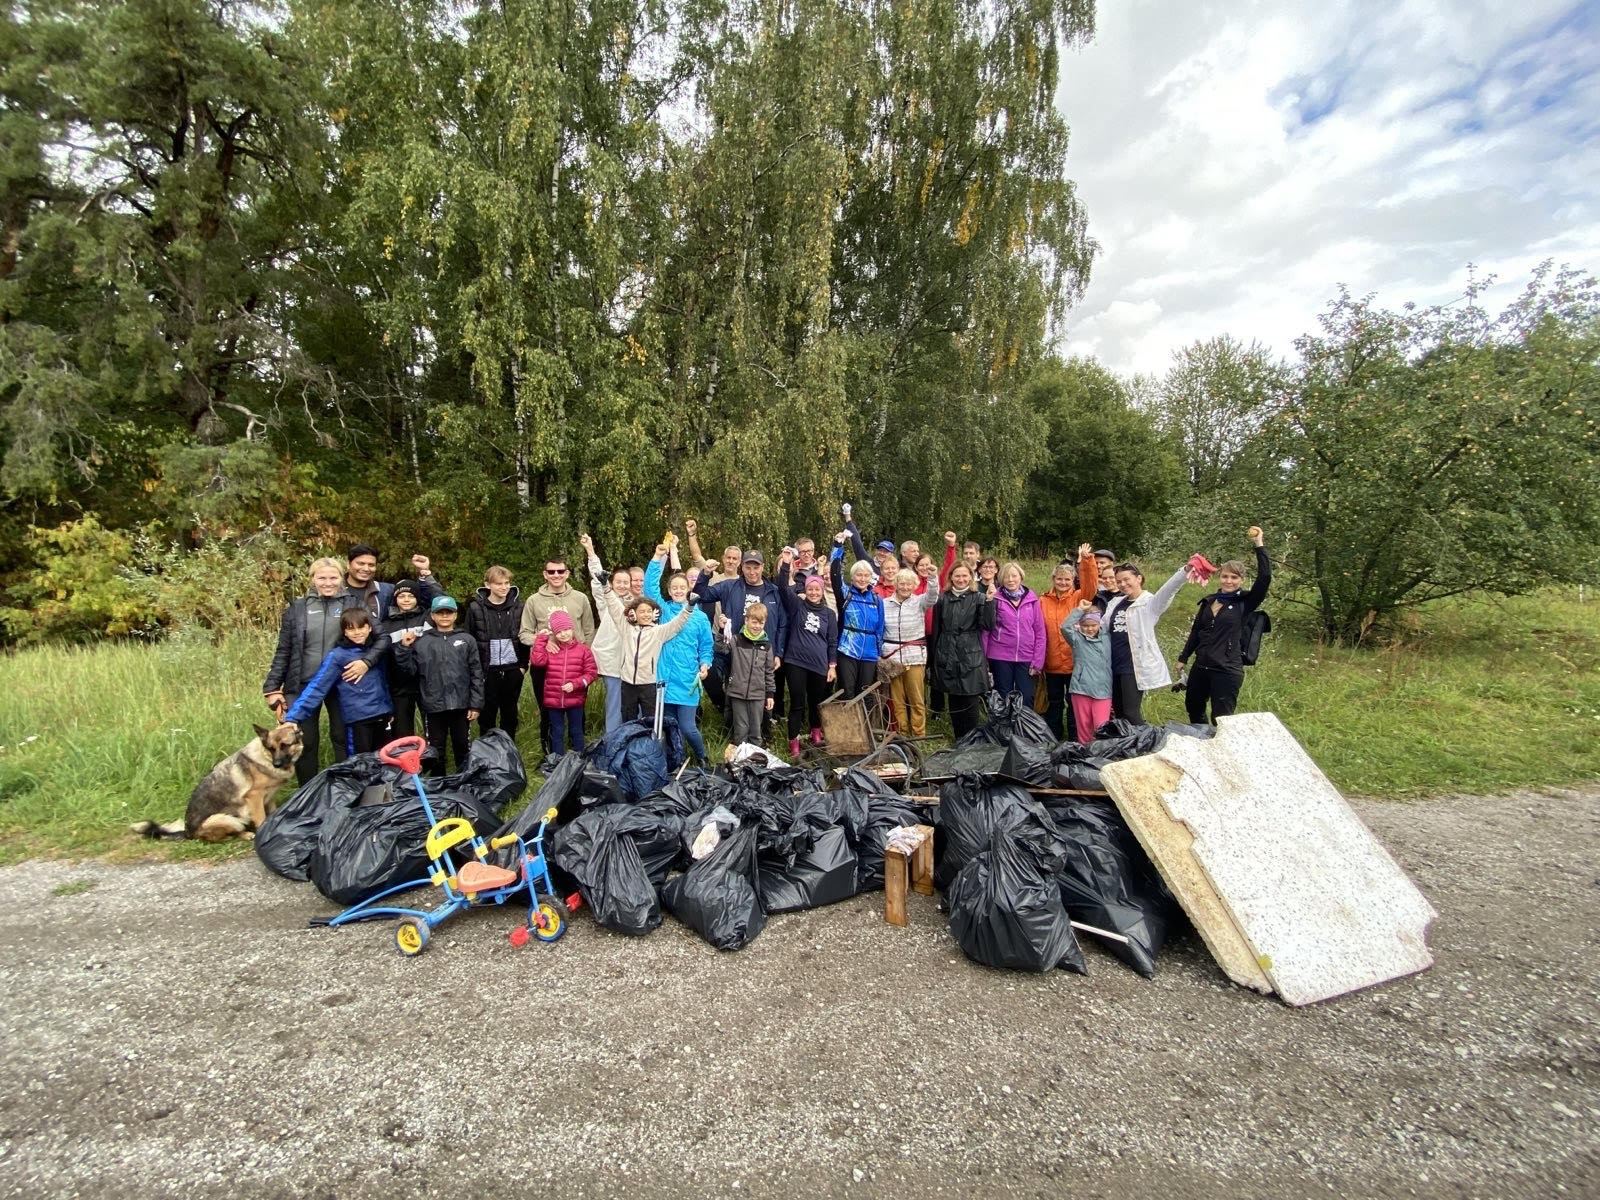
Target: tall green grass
[(1477, 695)]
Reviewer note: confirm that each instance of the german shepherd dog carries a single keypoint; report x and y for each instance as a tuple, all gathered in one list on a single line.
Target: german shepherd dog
[(238, 794)]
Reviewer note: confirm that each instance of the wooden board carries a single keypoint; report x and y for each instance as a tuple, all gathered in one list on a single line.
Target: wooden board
[(1271, 863)]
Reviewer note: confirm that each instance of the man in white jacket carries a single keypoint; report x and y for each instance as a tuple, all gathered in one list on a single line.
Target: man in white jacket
[(1137, 664)]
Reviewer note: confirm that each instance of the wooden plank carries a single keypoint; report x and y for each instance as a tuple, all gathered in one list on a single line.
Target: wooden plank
[(894, 888), (922, 863)]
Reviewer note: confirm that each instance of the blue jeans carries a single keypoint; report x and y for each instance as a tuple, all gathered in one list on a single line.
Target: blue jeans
[(685, 715), (613, 701), (1011, 677), (566, 729)]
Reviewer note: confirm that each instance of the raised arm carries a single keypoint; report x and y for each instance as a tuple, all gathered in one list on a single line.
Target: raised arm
[(1167, 593), (1263, 580), (949, 560)]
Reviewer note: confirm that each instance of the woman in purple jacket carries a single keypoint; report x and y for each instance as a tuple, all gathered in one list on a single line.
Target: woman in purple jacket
[(1015, 646)]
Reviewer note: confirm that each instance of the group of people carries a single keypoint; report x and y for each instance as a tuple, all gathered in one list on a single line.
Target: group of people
[(762, 648)]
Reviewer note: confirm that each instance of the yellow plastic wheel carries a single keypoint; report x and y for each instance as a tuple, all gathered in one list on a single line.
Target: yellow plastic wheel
[(550, 920), (411, 937)]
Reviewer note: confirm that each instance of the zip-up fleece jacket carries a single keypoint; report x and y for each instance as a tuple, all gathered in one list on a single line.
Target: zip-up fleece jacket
[(448, 667), (750, 674), (402, 682), (308, 630), (607, 645), (860, 614), (573, 663), (684, 655), (536, 614), (496, 627), (1149, 664), (905, 626), (813, 629), (641, 644), (360, 701), (1057, 609), (1091, 656), (1018, 633), (1214, 637)]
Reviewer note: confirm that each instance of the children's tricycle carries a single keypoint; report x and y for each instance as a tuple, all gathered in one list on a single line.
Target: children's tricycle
[(477, 882)]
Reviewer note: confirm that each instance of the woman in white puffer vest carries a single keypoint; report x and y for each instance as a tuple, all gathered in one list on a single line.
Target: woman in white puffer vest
[(904, 660)]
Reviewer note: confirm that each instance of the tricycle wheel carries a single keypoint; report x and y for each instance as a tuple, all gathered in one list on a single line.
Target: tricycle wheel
[(411, 937), (549, 919)]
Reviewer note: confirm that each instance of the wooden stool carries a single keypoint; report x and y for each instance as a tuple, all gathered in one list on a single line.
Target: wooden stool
[(897, 865)]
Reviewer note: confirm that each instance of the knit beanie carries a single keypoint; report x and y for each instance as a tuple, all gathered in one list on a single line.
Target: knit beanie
[(559, 620)]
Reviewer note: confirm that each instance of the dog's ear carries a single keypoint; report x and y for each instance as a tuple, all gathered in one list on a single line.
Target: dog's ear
[(261, 733)]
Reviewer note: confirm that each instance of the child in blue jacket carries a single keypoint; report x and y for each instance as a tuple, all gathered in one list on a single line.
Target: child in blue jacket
[(365, 701), (686, 659)]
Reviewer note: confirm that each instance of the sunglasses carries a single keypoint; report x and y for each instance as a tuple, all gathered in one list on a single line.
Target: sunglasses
[(556, 571)]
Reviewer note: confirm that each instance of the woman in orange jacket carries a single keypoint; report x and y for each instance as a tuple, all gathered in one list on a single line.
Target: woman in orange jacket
[(1058, 604)]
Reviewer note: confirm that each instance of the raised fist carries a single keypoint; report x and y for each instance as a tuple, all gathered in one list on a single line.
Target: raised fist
[(949, 537), (420, 564), (690, 527), (586, 542)]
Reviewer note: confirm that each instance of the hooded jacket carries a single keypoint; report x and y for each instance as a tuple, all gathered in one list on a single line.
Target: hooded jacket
[(1214, 637), (496, 626), (1149, 664), (641, 644), (536, 613), (607, 644), (402, 681), (363, 700), (1091, 656), (573, 663), (959, 623), (860, 614), (448, 668), (1057, 609), (813, 629), (750, 673), (684, 654), (1018, 633)]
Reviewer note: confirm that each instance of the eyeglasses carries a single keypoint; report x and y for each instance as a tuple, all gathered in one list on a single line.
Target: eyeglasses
[(556, 571)]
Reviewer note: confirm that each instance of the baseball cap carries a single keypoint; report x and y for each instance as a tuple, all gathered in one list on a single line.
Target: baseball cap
[(442, 602), (886, 544), (753, 556)]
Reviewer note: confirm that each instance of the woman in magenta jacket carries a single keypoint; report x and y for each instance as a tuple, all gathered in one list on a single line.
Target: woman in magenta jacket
[(1015, 646)]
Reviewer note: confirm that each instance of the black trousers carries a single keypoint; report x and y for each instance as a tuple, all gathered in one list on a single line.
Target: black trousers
[(1058, 713), (963, 714), (369, 735), (855, 676), (1220, 687), (310, 760), (1127, 701), (536, 686), (452, 725), (502, 689), (404, 722), (780, 686), (807, 691), (639, 701)]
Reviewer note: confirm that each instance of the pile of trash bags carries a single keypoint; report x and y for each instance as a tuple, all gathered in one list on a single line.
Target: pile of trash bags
[(748, 841), (358, 827)]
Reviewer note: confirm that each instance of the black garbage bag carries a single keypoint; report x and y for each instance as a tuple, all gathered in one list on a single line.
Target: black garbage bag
[(1009, 717), (1006, 909), (1028, 762), (1118, 739), (803, 853), (291, 839), (869, 808), (984, 758), (1108, 882), (1079, 775), (971, 809), (597, 848), (696, 790), (717, 896), (783, 780), (640, 762)]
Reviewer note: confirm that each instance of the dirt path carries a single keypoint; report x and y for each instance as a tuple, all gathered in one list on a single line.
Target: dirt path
[(178, 1028)]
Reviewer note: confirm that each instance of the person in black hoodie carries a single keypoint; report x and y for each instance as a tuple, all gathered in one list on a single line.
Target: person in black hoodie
[(449, 674), (406, 611), (493, 617), (1213, 640)]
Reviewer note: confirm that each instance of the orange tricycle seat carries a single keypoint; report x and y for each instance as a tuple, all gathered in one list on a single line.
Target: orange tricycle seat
[(478, 876)]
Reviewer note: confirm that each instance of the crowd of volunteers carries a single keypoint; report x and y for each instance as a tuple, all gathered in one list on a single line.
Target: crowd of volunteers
[(764, 643)]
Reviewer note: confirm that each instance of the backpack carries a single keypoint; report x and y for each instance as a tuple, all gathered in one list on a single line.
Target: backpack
[(1256, 624)]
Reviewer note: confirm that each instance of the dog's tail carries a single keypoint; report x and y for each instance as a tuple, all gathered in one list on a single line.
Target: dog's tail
[(171, 831)]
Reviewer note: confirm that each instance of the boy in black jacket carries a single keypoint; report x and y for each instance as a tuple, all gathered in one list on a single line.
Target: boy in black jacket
[(406, 611), (449, 673), (493, 618)]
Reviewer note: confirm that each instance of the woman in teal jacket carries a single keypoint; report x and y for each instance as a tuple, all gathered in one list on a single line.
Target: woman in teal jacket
[(686, 658)]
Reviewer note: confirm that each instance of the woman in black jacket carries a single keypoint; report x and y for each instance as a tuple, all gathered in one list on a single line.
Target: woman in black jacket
[(960, 670), (1214, 637)]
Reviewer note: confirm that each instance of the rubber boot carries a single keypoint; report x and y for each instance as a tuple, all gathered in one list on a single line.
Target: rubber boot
[(794, 748), (816, 737)]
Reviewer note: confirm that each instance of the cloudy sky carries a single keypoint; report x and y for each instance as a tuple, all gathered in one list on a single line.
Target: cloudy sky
[(1240, 159)]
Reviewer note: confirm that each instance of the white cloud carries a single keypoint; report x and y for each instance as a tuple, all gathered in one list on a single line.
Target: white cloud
[(1240, 160)]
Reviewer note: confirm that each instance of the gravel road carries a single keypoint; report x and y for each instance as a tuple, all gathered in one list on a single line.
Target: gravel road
[(180, 1029)]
